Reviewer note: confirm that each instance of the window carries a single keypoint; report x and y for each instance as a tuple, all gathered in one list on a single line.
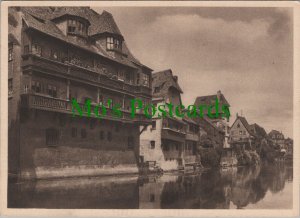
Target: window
[(83, 133), (101, 135), (10, 52), (152, 144), (152, 197), (130, 142), (109, 137), (71, 29), (77, 27), (74, 132), (238, 125), (153, 125), (156, 89), (36, 86), (113, 43), (54, 54), (110, 43), (36, 49), (121, 75), (52, 91), (10, 87), (241, 132), (145, 80), (52, 136), (26, 87), (128, 78), (26, 49)]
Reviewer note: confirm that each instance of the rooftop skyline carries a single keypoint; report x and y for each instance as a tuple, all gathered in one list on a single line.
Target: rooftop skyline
[(247, 53)]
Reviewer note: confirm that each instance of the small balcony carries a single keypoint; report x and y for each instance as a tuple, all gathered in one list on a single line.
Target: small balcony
[(240, 140), (172, 134), (191, 136), (48, 103)]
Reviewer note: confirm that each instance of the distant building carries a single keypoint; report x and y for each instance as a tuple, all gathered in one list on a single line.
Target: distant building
[(277, 138), (214, 130), (191, 156), (241, 135), (65, 53), (216, 127), (168, 140)]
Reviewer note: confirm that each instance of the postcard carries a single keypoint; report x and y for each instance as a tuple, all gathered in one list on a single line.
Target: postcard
[(150, 108)]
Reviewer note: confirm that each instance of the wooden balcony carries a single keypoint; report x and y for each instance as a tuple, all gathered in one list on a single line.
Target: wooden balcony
[(47, 103), (40, 64), (192, 136), (144, 90), (172, 134), (88, 75), (237, 141)]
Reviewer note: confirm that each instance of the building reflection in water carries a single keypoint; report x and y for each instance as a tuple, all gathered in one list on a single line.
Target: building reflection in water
[(211, 189)]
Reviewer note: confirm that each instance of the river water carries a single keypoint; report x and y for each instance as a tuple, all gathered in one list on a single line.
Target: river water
[(263, 187)]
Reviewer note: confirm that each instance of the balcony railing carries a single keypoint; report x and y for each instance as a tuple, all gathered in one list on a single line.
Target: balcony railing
[(171, 134), (192, 136), (42, 64), (65, 106), (243, 140)]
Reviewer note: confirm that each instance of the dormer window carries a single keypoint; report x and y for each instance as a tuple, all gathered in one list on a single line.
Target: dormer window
[(113, 43), (76, 27)]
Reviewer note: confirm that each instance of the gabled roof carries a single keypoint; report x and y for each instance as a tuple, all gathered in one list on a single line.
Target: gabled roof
[(245, 124), (211, 98), (40, 19), (258, 131), (108, 24), (162, 81)]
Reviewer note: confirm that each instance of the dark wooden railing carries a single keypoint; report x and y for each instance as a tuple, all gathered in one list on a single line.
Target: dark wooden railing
[(86, 74), (48, 103)]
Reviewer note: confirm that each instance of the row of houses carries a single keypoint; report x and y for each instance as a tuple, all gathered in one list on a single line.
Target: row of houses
[(252, 137), (173, 143), (59, 54)]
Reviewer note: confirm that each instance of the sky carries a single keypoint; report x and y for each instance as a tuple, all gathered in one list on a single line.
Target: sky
[(247, 53)]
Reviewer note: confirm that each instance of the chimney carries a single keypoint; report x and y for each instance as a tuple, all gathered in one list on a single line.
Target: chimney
[(175, 78), (219, 95), (237, 115)]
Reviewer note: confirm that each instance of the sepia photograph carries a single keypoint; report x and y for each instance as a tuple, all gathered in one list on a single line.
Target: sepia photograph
[(148, 106)]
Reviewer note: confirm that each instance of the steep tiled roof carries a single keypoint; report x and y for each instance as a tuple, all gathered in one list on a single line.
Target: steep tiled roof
[(73, 11), (257, 130), (210, 100), (40, 18), (162, 81), (245, 124), (108, 24)]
